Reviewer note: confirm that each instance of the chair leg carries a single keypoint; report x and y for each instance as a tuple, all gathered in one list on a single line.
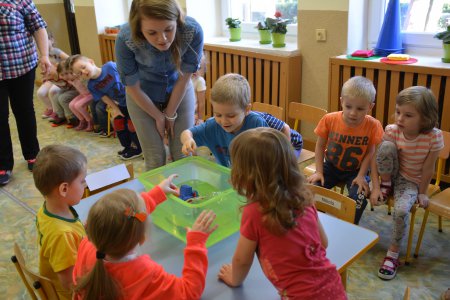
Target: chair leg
[(389, 204), (410, 235), (422, 230), (440, 223)]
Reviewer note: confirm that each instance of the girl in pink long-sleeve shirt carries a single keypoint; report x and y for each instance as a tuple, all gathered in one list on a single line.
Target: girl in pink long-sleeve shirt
[(107, 265)]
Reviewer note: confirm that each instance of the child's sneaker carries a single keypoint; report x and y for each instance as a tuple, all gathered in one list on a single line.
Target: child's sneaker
[(119, 153), (388, 269), (130, 154), (5, 176), (47, 113), (57, 120), (73, 122), (30, 163), (103, 134)]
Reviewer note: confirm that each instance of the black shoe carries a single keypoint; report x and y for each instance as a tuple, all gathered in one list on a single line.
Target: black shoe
[(5, 176), (131, 153), (30, 163), (121, 152)]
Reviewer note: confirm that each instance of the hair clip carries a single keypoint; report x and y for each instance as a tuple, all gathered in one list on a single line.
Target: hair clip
[(130, 212)]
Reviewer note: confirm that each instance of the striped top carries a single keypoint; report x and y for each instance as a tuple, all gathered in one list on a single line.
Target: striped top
[(413, 153)]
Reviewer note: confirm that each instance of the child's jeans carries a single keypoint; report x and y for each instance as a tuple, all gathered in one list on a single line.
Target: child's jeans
[(100, 115), (125, 130), (333, 176), (61, 100), (79, 107), (405, 191)]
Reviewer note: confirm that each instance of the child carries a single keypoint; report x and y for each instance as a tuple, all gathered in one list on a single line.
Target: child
[(405, 161), (59, 174), (295, 137), (200, 91), (79, 104), (279, 221), (230, 99), (48, 89), (61, 99), (108, 266), (346, 142), (104, 84)]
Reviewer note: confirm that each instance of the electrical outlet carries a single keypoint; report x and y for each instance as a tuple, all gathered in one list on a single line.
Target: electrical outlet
[(321, 35)]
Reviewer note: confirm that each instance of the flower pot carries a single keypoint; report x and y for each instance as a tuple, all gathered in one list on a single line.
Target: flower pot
[(264, 36), (235, 34), (446, 57), (278, 40)]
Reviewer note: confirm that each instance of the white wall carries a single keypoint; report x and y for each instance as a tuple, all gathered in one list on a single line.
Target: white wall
[(207, 13), (110, 13), (357, 25)]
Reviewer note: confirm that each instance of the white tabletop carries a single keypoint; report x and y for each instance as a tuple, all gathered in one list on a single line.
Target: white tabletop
[(346, 242)]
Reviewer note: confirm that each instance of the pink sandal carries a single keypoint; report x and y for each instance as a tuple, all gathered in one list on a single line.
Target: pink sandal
[(388, 269), (386, 189)]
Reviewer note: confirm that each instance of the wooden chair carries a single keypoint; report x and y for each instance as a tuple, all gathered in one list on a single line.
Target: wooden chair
[(88, 192), (333, 203), (407, 294), (433, 189), (275, 111), (308, 114), (39, 287)]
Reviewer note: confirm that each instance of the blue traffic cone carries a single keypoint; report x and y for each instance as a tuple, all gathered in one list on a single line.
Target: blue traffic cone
[(390, 38)]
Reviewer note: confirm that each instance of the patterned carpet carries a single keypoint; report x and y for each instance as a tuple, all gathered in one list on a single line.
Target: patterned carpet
[(427, 276)]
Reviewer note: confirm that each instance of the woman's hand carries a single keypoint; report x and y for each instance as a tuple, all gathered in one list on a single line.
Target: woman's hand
[(45, 64), (160, 125), (169, 127)]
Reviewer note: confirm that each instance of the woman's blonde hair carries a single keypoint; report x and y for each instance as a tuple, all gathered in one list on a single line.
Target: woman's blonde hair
[(161, 10), (264, 170), (113, 233), (425, 103)]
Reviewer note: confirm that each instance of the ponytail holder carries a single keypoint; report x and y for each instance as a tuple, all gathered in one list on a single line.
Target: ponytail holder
[(100, 255), (130, 212)]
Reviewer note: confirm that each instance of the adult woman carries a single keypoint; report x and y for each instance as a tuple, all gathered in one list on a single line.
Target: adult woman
[(157, 51), (19, 23)]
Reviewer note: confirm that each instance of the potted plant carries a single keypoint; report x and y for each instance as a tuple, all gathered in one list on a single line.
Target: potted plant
[(264, 32), (278, 27), (234, 25), (445, 37)]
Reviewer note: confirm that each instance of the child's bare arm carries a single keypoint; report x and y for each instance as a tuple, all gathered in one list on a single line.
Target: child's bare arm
[(65, 277), (235, 273), (189, 145), (115, 109), (201, 104), (360, 179), (427, 174), (319, 155)]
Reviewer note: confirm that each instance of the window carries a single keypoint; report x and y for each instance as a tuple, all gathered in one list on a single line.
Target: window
[(420, 20), (250, 12)]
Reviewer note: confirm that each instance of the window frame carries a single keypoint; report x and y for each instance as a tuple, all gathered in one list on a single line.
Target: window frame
[(414, 42)]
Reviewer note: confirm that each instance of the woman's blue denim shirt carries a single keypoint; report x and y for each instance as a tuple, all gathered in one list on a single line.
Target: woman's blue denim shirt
[(155, 69)]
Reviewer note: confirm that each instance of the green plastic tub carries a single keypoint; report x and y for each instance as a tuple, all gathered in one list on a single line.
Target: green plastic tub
[(211, 181)]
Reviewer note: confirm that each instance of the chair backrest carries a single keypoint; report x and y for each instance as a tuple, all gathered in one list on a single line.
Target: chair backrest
[(88, 192), (443, 156), (39, 287), (333, 203), (275, 111), (301, 112)]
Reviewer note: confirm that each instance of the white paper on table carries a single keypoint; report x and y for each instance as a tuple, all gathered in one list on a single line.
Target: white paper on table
[(106, 177)]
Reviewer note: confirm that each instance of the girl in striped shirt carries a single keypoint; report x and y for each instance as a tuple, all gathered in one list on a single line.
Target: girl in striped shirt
[(405, 161)]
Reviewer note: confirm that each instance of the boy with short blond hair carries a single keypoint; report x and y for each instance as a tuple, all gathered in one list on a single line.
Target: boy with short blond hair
[(230, 99), (59, 174), (346, 142)]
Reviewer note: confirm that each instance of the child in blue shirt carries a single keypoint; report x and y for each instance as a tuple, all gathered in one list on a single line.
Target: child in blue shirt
[(104, 84), (230, 99)]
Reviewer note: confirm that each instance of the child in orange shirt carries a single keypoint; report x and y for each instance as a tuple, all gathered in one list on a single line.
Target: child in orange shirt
[(346, 142), (116, 226)]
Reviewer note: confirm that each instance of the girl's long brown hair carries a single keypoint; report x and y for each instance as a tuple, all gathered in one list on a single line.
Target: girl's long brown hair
[(264, 170), (162, 10), (114, 234)]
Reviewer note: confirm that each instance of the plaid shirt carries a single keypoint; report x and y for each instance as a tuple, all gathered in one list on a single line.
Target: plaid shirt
[(19, 19)]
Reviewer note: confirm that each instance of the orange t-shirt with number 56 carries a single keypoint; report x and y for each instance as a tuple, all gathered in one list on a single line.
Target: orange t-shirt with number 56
[(346, 146)]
